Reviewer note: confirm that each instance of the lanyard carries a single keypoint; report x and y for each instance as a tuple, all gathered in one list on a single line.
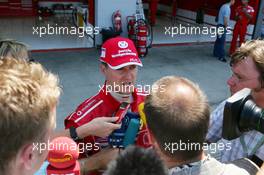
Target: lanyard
[(257, 146)]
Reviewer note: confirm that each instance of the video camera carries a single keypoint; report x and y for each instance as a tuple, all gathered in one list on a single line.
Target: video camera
[(241, 114)]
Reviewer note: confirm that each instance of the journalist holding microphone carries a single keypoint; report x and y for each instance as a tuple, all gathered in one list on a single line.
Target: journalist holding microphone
[(29, 95)]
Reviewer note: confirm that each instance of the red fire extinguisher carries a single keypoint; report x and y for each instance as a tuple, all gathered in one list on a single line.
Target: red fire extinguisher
[(131, 25), (141, 40), (140, 32), (117, 21)]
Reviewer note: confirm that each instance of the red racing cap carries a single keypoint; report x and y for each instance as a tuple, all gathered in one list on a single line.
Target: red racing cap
[(119, 52)]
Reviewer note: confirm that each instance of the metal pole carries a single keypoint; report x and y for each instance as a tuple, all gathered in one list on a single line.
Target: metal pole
[(258, 25)]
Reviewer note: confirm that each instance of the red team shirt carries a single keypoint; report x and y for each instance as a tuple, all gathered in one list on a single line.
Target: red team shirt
[(244, 20), (100, 105)]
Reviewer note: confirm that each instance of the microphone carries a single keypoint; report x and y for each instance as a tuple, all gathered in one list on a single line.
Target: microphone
[(62, 157), (122, 111), (131, 132), (126, 135)]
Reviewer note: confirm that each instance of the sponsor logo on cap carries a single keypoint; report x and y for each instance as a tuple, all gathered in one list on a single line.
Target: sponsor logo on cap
[(122, 44), (103, 53), (133, 60)]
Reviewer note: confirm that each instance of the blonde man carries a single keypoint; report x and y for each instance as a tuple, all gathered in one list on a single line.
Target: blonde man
[(99, 127), (28, 99)]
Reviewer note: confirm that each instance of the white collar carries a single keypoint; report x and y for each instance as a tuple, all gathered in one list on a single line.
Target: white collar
[(122, 98), (189, 165)]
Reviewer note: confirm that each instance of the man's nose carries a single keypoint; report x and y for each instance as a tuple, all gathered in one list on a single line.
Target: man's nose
[(231, 81), (128, 74)]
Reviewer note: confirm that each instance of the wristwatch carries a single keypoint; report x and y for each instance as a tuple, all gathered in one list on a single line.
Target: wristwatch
[(74, 134)]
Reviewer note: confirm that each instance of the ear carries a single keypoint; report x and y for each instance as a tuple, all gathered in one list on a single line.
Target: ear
[(155, 144), (103, 69), (25, 157), (154, 141)]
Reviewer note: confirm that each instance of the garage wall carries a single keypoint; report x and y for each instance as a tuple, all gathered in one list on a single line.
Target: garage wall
[(186, 11), (210, 7), (104, 10)]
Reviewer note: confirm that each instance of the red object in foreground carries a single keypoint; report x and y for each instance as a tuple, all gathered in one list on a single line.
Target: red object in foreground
[(124, 107), (62, 157)]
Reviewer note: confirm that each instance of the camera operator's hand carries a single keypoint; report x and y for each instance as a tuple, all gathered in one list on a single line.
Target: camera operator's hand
[(101, 127), (261, 171)]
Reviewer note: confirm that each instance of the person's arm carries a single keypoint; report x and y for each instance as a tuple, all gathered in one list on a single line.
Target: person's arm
[(226, 21), (237, 17), (100, 127), (261, 171), (249, 15), (226, 17)]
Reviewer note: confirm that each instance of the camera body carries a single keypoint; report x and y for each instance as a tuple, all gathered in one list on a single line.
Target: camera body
[(241, 114)]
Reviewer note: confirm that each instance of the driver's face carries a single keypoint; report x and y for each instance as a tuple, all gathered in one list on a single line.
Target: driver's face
[(121, 80)]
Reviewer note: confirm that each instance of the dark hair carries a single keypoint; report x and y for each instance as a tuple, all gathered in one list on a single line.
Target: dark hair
[(137, 161), (104, 64)]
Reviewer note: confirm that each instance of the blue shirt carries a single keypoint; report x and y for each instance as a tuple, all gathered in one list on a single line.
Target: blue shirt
[(224, 11)]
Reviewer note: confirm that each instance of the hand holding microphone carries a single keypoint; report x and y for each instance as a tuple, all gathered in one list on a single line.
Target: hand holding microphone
[(130, 123), (100, 127)]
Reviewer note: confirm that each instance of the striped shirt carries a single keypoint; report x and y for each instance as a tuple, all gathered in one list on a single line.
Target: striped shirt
[(235, 148)]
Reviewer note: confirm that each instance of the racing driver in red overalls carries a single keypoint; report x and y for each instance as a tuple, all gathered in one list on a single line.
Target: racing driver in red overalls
[(244, 14), (119, 62)]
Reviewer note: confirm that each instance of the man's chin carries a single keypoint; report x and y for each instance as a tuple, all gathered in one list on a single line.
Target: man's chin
[(231, 92), (124, 93)]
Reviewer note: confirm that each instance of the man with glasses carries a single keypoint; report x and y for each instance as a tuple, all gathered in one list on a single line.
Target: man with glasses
[(247, 65)]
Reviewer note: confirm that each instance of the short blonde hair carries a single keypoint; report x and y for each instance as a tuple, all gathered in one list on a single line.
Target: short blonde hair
[(254, 49), (12, 48), (28, 94)]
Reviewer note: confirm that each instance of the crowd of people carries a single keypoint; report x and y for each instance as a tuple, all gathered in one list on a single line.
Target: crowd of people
[(176, 122), (244, 14)]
